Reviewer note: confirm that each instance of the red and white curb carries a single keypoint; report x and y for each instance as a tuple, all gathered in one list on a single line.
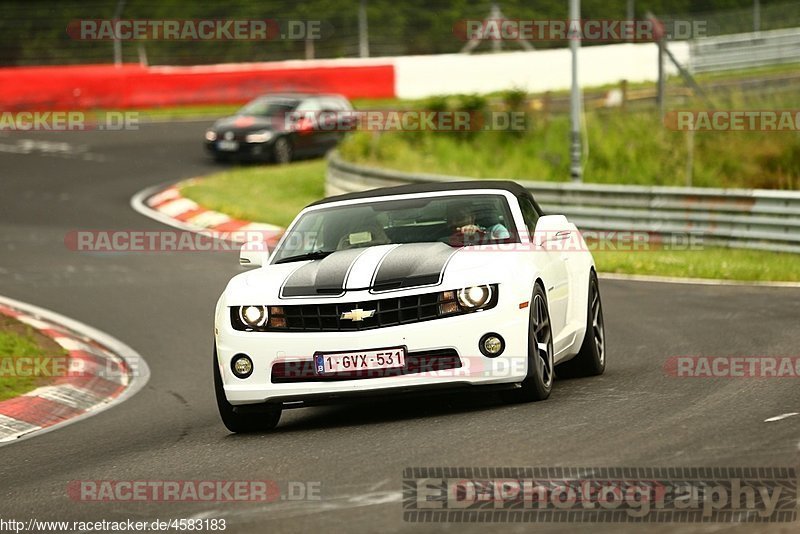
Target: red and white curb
[(101, 372), (166, 205)]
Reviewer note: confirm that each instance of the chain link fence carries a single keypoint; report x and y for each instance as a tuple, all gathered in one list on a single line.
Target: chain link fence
[(757, 16), (35, 33)]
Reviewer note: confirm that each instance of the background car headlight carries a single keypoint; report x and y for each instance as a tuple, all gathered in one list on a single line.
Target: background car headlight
[(474, 297), (253, 316), (211, 135), (258, 137)]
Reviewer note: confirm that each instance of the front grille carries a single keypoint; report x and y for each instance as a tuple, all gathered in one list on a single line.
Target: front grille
[(416, 362), (388, 312), (384, 312)]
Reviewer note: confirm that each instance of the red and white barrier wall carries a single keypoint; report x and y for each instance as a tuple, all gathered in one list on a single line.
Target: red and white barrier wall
[(134, 86)]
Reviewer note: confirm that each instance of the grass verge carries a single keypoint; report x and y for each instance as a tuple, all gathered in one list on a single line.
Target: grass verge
[(172, 113), (266, 193), (275, 194), (712, 263), (20, 347)]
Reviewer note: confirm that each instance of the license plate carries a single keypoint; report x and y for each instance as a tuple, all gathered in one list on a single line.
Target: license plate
[(227, 145), (365, 360)]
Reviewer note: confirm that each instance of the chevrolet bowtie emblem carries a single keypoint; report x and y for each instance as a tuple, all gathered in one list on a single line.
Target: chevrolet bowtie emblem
[(358, 314)]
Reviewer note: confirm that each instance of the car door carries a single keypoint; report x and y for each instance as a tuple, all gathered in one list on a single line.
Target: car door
[(550, 261)]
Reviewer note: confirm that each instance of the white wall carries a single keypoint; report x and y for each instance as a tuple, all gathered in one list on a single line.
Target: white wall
[(535, 71)]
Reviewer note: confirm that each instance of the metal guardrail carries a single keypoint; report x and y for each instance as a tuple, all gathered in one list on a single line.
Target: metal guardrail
[(744, 50), (740, 218)]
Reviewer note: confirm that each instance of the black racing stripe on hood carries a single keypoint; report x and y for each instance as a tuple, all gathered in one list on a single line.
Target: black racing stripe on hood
[(412, 265), (321, 277)]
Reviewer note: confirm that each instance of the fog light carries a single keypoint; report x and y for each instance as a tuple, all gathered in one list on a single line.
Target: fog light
[(491, 345), (242, 366)]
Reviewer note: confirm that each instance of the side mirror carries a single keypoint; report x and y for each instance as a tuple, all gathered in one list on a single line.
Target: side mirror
[(254, 254), (304, 126), (551, 228)]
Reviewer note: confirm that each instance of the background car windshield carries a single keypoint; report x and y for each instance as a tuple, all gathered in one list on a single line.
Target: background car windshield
[(486, 219), (268, 107)]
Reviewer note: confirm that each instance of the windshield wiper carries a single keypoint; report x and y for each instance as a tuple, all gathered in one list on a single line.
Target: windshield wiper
[(314, 255)]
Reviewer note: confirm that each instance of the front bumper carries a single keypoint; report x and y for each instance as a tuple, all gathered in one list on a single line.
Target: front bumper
[(245, 150), (459, 333)]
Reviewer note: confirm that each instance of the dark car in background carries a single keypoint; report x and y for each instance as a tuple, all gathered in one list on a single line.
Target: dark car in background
[(279, 128)]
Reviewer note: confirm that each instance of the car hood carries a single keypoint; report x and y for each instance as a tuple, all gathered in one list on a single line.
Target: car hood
[(384, 268), (249, 123)]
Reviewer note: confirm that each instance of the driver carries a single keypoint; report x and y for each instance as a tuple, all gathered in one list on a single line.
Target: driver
[(461, 223)]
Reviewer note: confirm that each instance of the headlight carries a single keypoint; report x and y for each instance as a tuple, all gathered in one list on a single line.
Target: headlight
[(257, 318), (472, 298), (258, 137), (468, 299), (253, 316), (211, 135)]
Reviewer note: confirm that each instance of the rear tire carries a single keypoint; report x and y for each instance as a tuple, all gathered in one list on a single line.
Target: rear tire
[(259, 418), (591, 360), (539, 381)]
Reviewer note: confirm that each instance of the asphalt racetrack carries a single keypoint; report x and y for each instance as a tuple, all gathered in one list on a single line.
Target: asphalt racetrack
[(161, 304)]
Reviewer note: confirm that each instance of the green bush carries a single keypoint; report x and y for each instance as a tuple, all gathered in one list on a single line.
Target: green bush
[(627, 146)]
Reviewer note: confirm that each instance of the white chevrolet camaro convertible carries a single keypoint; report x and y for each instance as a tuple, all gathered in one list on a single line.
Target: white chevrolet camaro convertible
[(403, 290)]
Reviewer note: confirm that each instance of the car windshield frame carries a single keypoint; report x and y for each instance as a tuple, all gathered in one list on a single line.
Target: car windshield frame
[(410, 220)]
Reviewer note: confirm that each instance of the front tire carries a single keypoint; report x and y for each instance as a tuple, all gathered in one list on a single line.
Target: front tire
[(591, 360), (282, 151), (262, 419), (539, 381)]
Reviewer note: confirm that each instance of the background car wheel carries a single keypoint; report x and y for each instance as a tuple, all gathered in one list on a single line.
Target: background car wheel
[(266, 418), (591, 360), (539, 381), (282, 151)]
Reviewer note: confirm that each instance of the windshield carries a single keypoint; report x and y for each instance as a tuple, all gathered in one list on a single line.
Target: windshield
[(457, 220), (269, 107)]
